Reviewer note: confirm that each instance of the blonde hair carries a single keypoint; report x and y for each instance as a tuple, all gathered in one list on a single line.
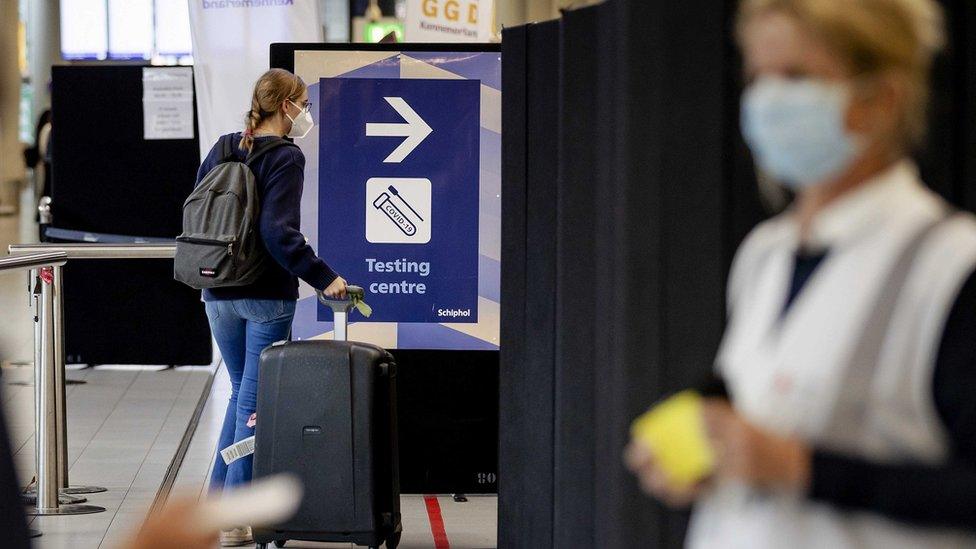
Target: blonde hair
[(873, 37), (271, 90)]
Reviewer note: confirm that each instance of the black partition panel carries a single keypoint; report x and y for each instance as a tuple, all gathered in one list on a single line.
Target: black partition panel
[(575, 344), (616, 249), (108, 180), (132, 312), (447, 402), (525, 467), (948, 156), (614, 222)]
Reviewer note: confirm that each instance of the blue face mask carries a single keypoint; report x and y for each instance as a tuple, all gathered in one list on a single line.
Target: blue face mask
[(795, 129)]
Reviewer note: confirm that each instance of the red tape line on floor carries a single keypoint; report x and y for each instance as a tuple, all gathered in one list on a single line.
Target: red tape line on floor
[(436, 523)]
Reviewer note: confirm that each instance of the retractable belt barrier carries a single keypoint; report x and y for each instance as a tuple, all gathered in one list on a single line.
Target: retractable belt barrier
[(54, 496)]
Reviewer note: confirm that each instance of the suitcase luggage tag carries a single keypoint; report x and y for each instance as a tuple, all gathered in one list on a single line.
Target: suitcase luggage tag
[(674, 431), (238, 450)]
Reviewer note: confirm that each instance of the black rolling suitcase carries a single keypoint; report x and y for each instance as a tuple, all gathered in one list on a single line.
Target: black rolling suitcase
[(326, 412)]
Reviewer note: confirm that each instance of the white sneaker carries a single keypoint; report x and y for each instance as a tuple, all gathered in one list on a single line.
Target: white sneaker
[(236, 537)]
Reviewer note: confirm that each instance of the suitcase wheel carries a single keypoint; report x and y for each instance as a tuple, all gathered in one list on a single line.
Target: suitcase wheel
[(280, 543), (393, 541), (261, 546)]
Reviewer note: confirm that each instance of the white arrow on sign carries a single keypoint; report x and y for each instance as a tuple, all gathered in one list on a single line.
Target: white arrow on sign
[(415, 130)]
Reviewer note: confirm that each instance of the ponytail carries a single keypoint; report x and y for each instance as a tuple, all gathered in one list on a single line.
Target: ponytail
[(271, 90), (251, 121)]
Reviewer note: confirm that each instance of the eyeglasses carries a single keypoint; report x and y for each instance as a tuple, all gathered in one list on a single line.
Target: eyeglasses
[(305, 107)]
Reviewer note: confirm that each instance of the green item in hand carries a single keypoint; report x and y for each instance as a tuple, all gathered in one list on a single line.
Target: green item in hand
[(361, 306)]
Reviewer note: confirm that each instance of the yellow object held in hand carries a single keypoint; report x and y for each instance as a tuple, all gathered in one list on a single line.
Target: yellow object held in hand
[(674, 431), (362, 307)]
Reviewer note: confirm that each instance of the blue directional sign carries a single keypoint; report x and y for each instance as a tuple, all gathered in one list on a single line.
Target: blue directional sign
[(398, 194)]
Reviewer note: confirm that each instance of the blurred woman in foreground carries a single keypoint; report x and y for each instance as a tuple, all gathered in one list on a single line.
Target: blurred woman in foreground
[(846, 416)]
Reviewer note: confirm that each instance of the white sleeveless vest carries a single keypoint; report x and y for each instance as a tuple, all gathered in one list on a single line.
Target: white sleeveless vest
[(792, 373)]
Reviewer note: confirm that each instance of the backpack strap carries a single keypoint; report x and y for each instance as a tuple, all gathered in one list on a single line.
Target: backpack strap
[(228, 149), (259, 151)]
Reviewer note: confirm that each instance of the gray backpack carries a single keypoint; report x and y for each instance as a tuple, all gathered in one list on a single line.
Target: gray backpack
[(221, 245)]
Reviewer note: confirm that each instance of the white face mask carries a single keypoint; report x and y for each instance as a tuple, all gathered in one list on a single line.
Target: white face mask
[(301, 124), (796, 131)]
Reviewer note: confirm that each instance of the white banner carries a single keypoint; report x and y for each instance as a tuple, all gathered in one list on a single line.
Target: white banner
[(449, 20), (231, 40)]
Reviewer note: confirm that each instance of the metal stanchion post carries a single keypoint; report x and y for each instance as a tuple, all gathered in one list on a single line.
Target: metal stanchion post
[(64, 494), (59, 381), (61, 386), (45, 407), (44, 411)]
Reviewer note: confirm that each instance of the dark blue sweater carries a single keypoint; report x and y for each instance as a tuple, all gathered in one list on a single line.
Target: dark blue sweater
[(280, 177)]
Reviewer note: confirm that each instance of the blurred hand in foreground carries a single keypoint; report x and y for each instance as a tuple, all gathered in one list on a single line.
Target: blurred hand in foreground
[(654, 481), (172, 528), (749, 454), (743, 453)]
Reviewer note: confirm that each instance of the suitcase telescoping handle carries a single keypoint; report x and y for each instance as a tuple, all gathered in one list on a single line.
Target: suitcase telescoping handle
[(340, 309)]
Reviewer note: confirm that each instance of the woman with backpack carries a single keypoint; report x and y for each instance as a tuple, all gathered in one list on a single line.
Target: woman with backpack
[(245, 319)]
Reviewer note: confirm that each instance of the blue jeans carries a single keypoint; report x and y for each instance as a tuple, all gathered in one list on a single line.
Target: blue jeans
[(243, 328)]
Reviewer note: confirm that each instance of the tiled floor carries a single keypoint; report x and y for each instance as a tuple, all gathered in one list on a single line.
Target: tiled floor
[(124, 428)]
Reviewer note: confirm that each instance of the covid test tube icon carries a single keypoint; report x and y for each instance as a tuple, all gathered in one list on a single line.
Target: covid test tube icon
[(387, 204)]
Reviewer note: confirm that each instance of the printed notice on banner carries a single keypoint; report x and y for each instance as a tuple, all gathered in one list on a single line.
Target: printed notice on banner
[(167, 102)]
